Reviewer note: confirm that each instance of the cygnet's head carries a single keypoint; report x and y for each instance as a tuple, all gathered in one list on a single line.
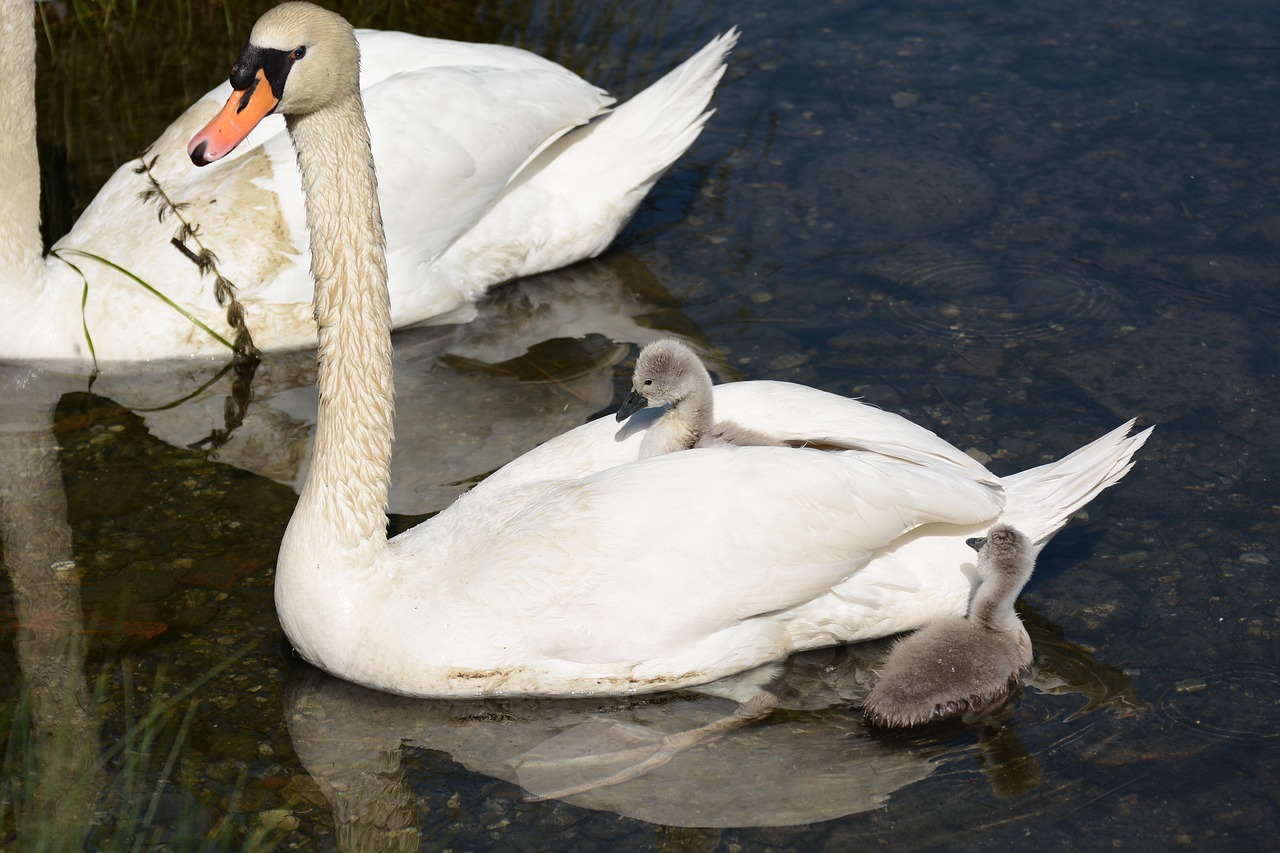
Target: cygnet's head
[(300, 59), (1005, 562), (1003, 546), (667, 373)]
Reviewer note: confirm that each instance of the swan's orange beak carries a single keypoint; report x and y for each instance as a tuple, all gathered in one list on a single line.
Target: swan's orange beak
[(244, 109)]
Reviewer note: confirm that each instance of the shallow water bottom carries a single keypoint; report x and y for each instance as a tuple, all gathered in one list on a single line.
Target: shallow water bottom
[(1015, 227)]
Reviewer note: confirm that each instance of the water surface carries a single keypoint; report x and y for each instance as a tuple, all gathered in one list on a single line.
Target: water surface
[(1018, 224)]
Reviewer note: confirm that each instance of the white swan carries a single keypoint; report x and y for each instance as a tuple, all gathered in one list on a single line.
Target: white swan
[(962, 666), (669, 374), (484, 179), (577, 569)]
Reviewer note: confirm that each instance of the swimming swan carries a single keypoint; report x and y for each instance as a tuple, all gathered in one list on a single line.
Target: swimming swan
[(579, 568), (962, 666), (669, 373), (487, 175)]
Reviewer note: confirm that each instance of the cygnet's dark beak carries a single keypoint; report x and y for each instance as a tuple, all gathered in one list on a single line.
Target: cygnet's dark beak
[(635, 402), (976, 542)]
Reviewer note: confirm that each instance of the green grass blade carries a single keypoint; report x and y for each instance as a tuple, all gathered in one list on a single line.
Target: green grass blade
[(156, 293)]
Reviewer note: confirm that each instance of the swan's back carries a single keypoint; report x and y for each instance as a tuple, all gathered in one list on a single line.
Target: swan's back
[(796, 414)]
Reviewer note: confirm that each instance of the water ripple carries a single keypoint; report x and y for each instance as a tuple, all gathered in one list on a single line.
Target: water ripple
[(973, 300)]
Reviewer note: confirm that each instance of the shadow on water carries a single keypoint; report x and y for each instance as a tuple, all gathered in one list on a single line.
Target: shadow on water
[(1013, 226)]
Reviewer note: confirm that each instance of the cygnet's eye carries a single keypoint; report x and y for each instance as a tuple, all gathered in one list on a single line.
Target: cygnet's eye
[(648, 382), (298, 52)]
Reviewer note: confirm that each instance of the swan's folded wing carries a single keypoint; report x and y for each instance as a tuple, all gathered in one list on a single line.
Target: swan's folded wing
[(448, 142), (799, 414), (580, 452), (648, 559)]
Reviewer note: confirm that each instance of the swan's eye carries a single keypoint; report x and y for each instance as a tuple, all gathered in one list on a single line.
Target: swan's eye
[(298, 53), (648, 382)]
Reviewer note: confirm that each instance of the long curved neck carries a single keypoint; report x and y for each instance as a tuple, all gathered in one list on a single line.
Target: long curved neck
[(348, 483), (698, 407), (685, 424), (1004, 574), (20, 245)]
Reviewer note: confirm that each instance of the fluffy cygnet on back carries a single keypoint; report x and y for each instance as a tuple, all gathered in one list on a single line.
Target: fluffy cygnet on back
[(962, 666), (669, 373)]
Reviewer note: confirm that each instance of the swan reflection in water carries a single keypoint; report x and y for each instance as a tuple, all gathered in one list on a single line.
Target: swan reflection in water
[(537, 361), (50, 639), (812, 759)]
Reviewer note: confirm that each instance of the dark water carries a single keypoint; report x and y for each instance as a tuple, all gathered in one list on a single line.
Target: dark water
[(1018, 224)]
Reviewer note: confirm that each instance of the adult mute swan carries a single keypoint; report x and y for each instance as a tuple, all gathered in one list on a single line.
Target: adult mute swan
[(578, 568), (668, 373), (488, 174), (962, 666)]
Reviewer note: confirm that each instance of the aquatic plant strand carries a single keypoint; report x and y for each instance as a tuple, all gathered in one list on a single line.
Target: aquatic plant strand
[(58, 253), (205, 260)]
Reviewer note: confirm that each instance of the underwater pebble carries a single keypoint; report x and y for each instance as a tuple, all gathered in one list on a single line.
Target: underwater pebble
[(788, 361), (1017, 447), (978, 456), (279, 819)]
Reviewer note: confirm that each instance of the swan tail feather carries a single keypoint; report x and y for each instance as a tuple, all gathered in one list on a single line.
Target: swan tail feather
[(593, 178), (1040, 500), (661, 122), (571, 199)]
